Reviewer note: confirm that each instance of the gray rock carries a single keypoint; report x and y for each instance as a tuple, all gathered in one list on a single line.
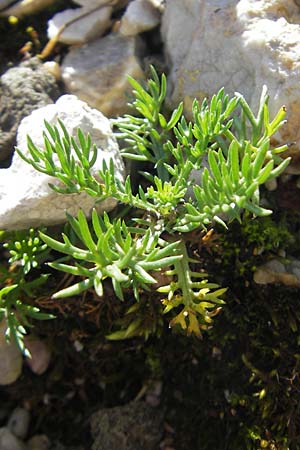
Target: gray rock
[(238, 44), (97, 72), (22, 90), (10, 442), (139, 16), (135, 426), (18, 422), (24, 7), (85, 24), (26, 200)]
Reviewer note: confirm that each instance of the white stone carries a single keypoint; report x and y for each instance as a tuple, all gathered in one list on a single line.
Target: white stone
[(18, 422), (11, 360), (240, 45), (26, 7), (26, 200), (159, 4), (98, 73), (139, 16), (53, 68), (81, 25)]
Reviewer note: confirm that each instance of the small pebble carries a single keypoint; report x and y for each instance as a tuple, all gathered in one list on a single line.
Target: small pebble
[(11, 359), (271, 185), (54, 68), (10, 442), (40, 355), (38, 442), (18, 422)]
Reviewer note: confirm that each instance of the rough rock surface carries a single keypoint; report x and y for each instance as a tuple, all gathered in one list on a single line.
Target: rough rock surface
[(24, 7), (139, 16), (90, 24), (25, 198), (22, 89), (135, 426), (10, 360), (97, 72), (240, 45)]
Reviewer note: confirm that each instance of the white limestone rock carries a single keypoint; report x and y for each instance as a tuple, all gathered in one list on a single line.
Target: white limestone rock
[(82, 24), (98, 72), (24, 7), (140, 16), (238, 44), (26, 200)]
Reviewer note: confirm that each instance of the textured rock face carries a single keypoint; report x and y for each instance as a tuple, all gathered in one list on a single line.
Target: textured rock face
[(22, 89), (135, 426), (25, 198), (240, 45), (97, 73)]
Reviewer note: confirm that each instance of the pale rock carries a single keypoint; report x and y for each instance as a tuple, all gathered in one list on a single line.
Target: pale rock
[(40, 355), (81, 25), (277, 272), (98, 73), (10, 442), (11, 360), (139, 16), (159, 4), (26, 200), (240, 45), (53, 68), (25, 7), (18, 422)]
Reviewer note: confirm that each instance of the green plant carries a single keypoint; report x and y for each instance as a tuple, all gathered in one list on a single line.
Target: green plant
[(196, 173), (17, 289)]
